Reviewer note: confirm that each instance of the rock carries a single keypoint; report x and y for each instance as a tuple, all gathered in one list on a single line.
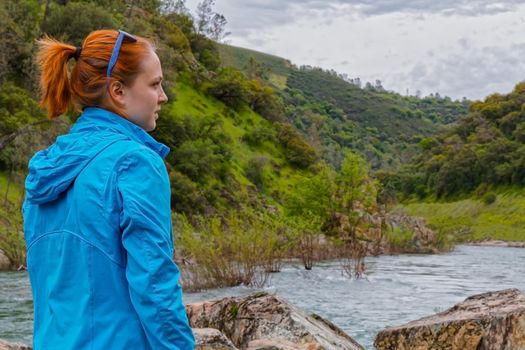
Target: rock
[(272, 344), (205, 339), (4, 345), (5, 264), (423, 238), (489, 321), (263, 321), (211, 339)]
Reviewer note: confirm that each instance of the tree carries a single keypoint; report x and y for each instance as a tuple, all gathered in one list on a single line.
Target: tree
[(355, 201), (296, 149), (73, 22), (19, 26), (255, 70), (175, 6), (209, 23), (308, 207), (216, 30), (351, 180), (229, 86)]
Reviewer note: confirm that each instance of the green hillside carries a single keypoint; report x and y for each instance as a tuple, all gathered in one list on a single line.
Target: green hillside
[(468, 181), (247, 188), (334, 113), (483, 150), (240, 57), (475, 219), (226, 156)]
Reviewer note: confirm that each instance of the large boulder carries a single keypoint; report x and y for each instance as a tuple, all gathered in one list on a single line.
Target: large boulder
[(489, 321), (5, 264), (263, 321), (4, 345), (423, 239), (211, 339)]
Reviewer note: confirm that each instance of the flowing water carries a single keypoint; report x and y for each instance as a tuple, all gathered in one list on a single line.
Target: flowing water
[(396, 289)]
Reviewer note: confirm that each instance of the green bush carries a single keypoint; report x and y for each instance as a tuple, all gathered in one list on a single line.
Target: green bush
[(11, 235), (17, 108), (74, 21), (255, 171), (297, 151), (186, 196), (399, 238), (228, 251), (489, 198), (205, 50), (259, 134), (263, 101), (229, 87)]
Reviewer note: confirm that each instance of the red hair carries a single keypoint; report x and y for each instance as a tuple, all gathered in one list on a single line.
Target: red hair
[(86, 85)]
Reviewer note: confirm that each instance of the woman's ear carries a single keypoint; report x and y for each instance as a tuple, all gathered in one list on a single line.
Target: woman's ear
[(117, 92)]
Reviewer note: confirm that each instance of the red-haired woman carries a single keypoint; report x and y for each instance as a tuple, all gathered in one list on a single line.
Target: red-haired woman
[(97, 218)]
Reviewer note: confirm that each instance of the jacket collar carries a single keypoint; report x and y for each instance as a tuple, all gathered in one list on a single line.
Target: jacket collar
[(95, 117)]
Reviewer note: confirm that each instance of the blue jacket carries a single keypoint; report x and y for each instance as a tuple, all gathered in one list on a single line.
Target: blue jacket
[(97, 225)]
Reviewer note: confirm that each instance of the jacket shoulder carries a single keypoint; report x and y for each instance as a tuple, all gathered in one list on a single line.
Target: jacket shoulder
[(138, 156)]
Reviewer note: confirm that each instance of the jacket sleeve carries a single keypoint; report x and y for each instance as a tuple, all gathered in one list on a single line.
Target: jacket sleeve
[(153, 276)]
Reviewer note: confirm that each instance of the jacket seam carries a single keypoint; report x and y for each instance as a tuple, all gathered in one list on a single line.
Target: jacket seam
[(161, 320), (160, 311), (91, 296), (125, 156), (116, 170), (39, 237)]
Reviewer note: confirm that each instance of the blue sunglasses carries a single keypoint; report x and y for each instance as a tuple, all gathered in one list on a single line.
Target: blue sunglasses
[(116, 50)]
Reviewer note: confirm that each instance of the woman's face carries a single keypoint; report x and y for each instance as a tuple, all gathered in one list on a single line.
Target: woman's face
[(142, 100)]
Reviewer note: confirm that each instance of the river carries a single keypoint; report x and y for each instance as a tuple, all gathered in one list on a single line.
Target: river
[(396, 289)]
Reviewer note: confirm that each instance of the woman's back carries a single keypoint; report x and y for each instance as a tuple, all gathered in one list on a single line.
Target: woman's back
[(97, 224)]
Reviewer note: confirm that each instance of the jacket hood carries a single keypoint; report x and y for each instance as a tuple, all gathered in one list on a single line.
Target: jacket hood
[(53, 170)]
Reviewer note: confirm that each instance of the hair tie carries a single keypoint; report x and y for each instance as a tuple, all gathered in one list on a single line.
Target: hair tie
[(76, 56)]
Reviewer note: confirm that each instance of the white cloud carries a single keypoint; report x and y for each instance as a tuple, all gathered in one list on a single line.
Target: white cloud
[(456, 47)]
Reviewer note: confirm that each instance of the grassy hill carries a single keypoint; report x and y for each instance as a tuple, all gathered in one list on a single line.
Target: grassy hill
[(334, 113), (239, 57), (475, 219), (274, 175)]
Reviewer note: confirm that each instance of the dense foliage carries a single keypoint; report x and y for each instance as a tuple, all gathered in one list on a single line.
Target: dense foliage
[(482, 150), (335, 112)]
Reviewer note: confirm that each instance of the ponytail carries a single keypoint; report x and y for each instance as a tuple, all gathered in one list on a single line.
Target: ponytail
[(52, 57)]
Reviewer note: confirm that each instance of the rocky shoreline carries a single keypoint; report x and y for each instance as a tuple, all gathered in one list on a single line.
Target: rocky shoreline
[(489, 321), (498, 243), (262, 321)]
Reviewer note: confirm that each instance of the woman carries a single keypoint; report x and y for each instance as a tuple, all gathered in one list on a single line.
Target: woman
[(97, 218)]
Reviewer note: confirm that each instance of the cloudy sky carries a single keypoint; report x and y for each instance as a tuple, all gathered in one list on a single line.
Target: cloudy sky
[(458, 48)]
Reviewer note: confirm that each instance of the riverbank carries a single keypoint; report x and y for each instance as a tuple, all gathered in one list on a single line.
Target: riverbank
[(473, 220), (260, 321), (497, 243)]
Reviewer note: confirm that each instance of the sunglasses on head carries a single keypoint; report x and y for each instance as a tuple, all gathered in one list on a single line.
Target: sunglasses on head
[(116, 50)]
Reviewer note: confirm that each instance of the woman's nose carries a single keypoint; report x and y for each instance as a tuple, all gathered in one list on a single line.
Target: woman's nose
[(163, 98)]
